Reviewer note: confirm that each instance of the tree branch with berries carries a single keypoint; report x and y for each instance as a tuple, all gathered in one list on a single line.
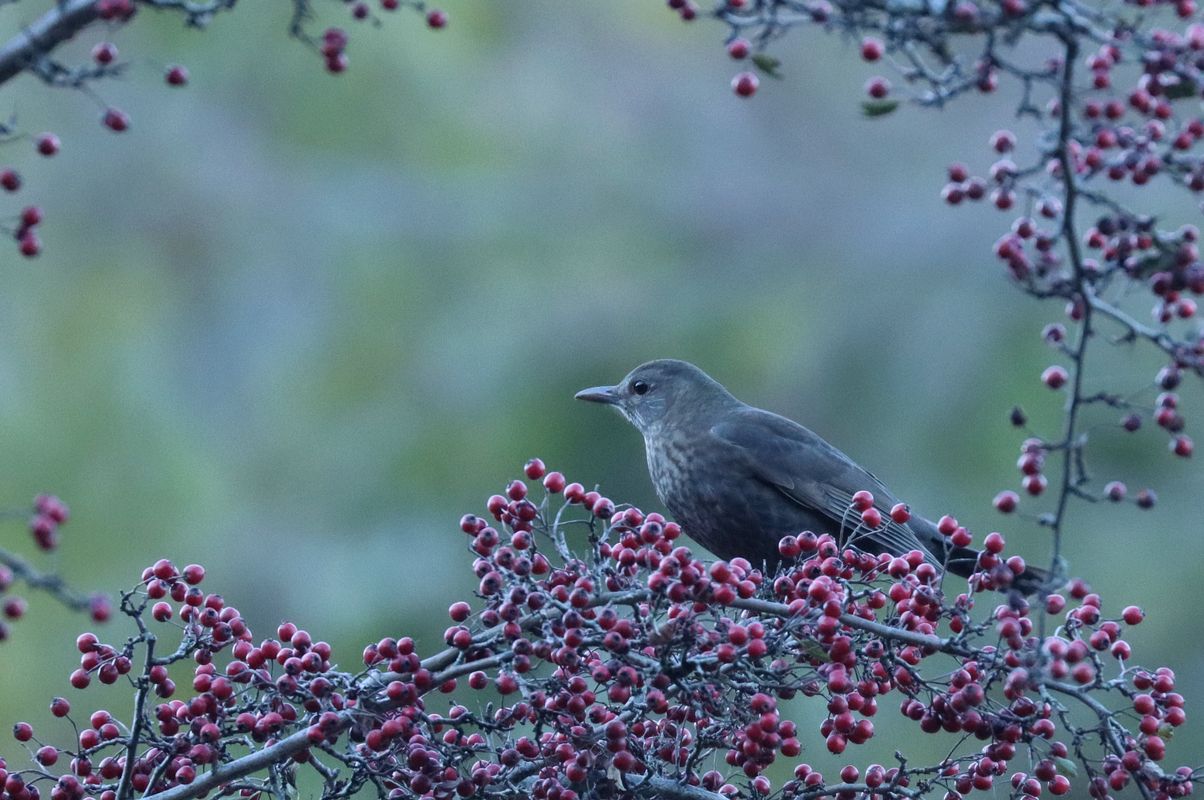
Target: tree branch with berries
[(34, 48), (601, 657), (49, 514)]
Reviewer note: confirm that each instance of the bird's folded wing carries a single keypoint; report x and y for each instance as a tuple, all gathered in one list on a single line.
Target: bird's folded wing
[(809, 471)]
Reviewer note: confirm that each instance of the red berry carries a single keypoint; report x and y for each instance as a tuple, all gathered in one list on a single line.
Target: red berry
[(115, 120), (1181, 445), (10, 180), (47, 143), (553, 482), (900, 513), (1003, 141), (877, 87), (738, 48), (436, 19), (1132, 615), (29, 244), (1006, 501), (336, 63), (535, 469), (100, 607), (946, 525), (871, 48), (871, 518), (1035, 484), (1055, 377), (23, 731), (176, 75), (745, 84), (104, 53)]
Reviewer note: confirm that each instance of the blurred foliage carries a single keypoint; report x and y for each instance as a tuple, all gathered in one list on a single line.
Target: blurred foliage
[(293, 325)]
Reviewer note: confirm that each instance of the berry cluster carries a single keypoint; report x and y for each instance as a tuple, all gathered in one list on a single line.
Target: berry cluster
[(35, 53), (601, 657), (1115, 101), (49, 515)]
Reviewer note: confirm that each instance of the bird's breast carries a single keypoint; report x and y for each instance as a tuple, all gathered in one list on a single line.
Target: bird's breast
[(718, 502)]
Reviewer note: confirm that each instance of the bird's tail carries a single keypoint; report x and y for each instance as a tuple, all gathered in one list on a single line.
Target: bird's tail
[(964, 562)]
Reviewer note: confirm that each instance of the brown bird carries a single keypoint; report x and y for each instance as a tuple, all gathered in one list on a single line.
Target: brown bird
[(739, 478)]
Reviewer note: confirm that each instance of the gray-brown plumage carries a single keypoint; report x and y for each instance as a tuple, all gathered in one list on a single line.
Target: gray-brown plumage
[(738, 478)]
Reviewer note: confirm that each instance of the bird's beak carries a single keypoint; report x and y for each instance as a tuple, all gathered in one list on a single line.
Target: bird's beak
[(599, 394)]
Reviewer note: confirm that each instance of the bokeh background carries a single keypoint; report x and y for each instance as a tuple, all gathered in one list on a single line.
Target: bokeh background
[(293, 325)]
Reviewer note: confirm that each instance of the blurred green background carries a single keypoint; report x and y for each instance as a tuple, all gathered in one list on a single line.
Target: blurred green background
[(293, 325)]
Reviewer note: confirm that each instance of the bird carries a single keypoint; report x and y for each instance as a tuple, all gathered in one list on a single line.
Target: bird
[(738, 478)]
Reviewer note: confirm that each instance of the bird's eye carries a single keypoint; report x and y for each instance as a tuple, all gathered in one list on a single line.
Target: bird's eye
[(640, 387)]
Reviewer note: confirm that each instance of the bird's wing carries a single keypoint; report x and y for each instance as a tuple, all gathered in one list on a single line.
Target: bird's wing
[(812, 473)]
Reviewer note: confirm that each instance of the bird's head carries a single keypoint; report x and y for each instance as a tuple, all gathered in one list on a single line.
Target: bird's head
[(661, 391)]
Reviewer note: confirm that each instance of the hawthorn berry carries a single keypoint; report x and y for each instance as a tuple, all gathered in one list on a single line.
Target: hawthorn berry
[(176, 75), (745, 84), (872, 49), (47, 144)]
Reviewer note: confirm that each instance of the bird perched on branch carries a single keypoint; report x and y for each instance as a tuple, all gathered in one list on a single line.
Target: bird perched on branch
[(739, 478)]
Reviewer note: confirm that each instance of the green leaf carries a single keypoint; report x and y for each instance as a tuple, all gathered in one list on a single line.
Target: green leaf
[(878, 108), (1066, 766), (814, 650), (767, 64)]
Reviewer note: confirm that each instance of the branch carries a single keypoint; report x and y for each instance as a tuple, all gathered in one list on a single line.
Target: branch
[(49, 583), (50, 30), (869, 626)]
